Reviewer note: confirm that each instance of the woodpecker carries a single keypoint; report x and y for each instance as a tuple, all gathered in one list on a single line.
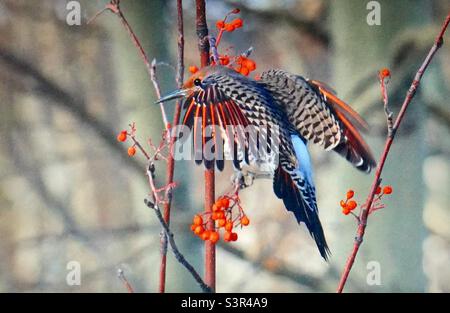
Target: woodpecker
[(296, 109)]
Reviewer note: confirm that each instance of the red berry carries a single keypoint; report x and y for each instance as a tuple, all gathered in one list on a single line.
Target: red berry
[(225, 60), (215, 207), (225, 202), (221, 222), (227, 236), (237, 23), (122, 136), (206, 235), (220, 24), (351, 205), (131, 151), (193, 69), (245, 221), (199, 230), (244, 71), (385, 73), (234, 236), (215, 216), (214, 237), (229, 226), (378, 191), (350, 194), (250, 64), (198, 220), (387, 190), (229, 27)]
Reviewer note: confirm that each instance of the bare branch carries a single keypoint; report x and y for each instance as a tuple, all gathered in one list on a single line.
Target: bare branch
[(389, 140), (123, 278), (178, 255)]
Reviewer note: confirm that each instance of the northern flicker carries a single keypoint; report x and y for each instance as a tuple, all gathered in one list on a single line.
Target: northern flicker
[(297, 110)]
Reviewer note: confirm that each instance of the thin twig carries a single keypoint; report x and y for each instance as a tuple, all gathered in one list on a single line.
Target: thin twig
[(389, 140), (123, 278), (389, 114), (154, 80), (114, 7), (154, 204), (210, 248), (178, 255), (171, 157)]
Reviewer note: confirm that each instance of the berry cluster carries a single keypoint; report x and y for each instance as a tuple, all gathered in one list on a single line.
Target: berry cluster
[(240, 63), (229, 27), (122, 137), (224, 218), (349, 204)]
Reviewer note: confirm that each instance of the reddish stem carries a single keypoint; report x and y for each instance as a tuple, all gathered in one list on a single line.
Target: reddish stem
[(219, 37), (125, 281), (171, 160), (389, 140), (210, 249)]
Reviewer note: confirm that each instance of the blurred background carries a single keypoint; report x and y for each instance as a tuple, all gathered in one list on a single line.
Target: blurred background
[(69, 191)]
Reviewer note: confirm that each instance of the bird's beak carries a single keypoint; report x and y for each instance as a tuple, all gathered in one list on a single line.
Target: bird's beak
[(173, 95)]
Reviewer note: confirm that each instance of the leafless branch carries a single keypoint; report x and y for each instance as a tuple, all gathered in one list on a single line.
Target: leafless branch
[(178, 255), (389, 140), (123, 278)]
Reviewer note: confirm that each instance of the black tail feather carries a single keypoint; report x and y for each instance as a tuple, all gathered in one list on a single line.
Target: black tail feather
[(286, 189)]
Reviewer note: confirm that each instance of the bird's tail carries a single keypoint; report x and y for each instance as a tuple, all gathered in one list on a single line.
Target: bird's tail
[(352, 145), (304, 209)]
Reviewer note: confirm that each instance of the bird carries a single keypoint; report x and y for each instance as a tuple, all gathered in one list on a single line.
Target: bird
[(283, 109)]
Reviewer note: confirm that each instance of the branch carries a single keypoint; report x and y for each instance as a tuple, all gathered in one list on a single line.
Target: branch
[(114, 7), (389, 140), (171, 159), (383, 77), (203, 46), (123, 278), (178, 255)]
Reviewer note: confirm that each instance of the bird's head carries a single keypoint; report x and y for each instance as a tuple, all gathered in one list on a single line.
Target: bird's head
[(195, 82)]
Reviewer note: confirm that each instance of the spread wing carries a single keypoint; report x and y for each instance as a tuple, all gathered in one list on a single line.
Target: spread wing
[(320, 116), (217, 125), (233, 112)]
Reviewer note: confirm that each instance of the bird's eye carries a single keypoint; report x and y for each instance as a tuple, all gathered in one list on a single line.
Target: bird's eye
[(197, 82)]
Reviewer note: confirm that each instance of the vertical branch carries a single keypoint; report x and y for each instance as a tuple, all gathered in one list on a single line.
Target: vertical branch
[(203, 46), (389, 140), (202, 32), (171, 159)]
